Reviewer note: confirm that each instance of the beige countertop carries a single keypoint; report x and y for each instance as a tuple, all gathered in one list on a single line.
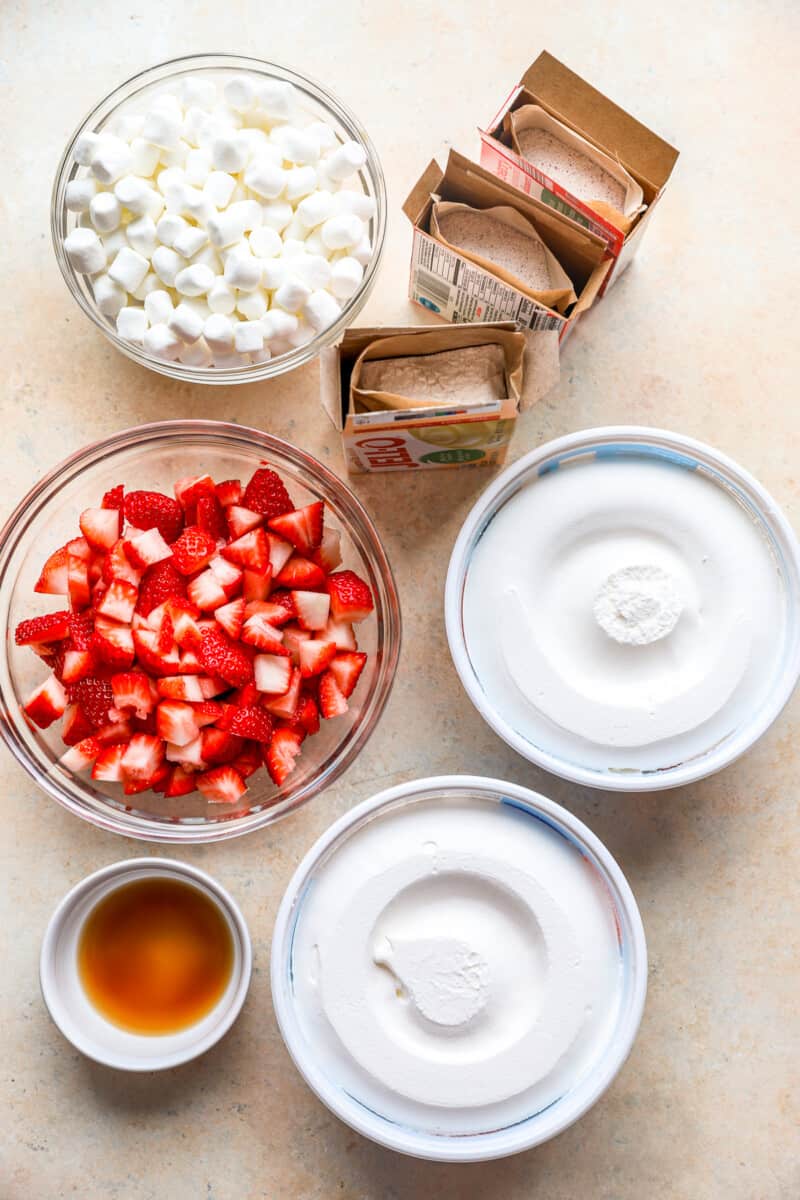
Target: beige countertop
[(699, 336)]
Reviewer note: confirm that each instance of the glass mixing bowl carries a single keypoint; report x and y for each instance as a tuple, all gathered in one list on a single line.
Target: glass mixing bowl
[(319, 103), (154, 456)]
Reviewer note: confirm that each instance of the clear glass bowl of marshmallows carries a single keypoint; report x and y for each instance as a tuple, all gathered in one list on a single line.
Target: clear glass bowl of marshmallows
[(219, 218)]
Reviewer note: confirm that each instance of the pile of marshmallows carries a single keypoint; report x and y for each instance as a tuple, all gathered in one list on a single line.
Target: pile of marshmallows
[(217, 227)]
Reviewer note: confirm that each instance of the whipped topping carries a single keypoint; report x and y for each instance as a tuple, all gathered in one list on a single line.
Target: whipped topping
[(456, 964), (624, 612)]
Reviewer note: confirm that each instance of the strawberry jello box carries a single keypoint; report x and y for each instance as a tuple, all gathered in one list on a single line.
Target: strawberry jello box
[(553, 108), (461, 388)]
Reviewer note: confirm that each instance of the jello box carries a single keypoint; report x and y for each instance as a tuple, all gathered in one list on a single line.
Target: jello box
[(445, 435), (457, 289), (573, 102)]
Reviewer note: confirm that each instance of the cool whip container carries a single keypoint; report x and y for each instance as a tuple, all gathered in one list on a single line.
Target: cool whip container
[(458, 968)]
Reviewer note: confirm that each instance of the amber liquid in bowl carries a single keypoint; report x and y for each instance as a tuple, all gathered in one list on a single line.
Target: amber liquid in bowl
[(155, 956)]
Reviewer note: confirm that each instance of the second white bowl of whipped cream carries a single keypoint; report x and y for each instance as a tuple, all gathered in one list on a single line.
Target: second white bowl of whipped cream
[(621, 607), (458, 968)]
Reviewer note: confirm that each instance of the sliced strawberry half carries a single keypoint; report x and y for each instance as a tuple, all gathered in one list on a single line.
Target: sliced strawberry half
[(143, 755), (341, 633), (351, 598), (46, 703), (119, 601), (256, 585), (114, 643), (312, 609), (133, 691), (300, 573), (176, 723), (282, 753), (280, 552), (108, 764), (328, 554), (154, 510), (145, 548), (117, 565), (266, 494), (227, 574), (77, 665), (242, 520), (250, 551), (315, 656), (223, 785), (302, 527), (152, 657), (82, 755), (258, 632), (78, 586), (101, 527), (231, 617), (331, 701), (76, 725), (188, 491), (181, 687), (189, 756), (206, 592), (293, 638), (346, 669), (229, 492), (180, 782), (53, 627)]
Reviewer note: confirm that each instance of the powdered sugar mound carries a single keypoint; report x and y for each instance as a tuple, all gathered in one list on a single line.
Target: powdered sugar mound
[(638, 605)]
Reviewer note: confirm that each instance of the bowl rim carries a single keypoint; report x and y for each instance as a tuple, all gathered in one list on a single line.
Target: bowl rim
[(680, 447), (254, 372), (119, 872), (469, 1147), (387, 655)]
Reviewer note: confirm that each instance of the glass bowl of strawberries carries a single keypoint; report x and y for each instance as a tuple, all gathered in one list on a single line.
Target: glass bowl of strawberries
[(202, 630)]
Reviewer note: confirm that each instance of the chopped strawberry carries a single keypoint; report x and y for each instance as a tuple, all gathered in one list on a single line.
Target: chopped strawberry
[(175, 722), (166, 635), (53, 579), (275, 613), (308, 715), (206, 592), (180, 782), (315, 657), (246, 696), (211, 518), (252, 722), (281, 754), (287, 704), (154, 510), (284, 599), (351, 599), (300, 573), (81, 629), (229, 492), (219, 746), (76, 725), (227, 574), (328, 554), (77, 665), (46, 703), (154, 782), (346, 669), (81, 755), (108, 764), (53, 627), (331, 701), (117, 565), (273, 673), (180, 687), (114, 643), (250, 551), (249, 761), (231, 617), (188, 491), (133, 690), (78, 588), (221, 656), (266, 494), (293, 638), (101, 527), (152, 658), (256, 584), (143, 756), (146, 548), (312, 609), (212, 686), (257, 631), (190, 756), (114, 497), (207, 712), (280, 552), (193, 550), (303, 527), (242, 520), (119, 601), (95, 699), (223, 785), (341, 633)]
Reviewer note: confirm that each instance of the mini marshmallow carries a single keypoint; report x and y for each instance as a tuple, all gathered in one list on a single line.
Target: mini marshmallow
[(161, 342), (274, 273), (296, 230), (221, 298), (292, 295), (276, 98), (227, 227), (196, 205), (277, 215), (113, 243), (198, 354), (132, 324), (321, 310), (363, 251), (315, 245), (265, 178), (185, 323), (218, 332), (228, 152), (134, 194), (108, 295), (359, 203), (79, 194), (243, 272), (253, 215), (169, 227), (198, 92), (197, 167), (313, 270), (346, 276), (85, 251), (239, 93), (259, 145), (176, 157), (84, 148), (278, 324), (300, 181), (150, 283), (208, 257), (302, 335), (158, 307), (129, 268), (248, 336), (195, 280), (298, 145), (252, 305), (111, 159), (190, 240), (316, 208), (324, 134), (342, 231), (142, 236), (129, 126), (144, 156), (265, 242), (349, 158), (170, 178), (218, 188), (167, 264), (292, 247), (162, 126)]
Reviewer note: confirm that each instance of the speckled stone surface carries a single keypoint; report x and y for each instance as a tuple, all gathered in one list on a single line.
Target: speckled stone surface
[(700, 335)]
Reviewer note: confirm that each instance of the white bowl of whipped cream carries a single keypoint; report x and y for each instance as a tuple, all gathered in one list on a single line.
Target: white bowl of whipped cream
[(458, 968), (621, 607)]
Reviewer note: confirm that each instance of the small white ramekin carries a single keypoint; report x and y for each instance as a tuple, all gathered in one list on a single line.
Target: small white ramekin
[(539, 1126), (607, 442), (73, 1012)]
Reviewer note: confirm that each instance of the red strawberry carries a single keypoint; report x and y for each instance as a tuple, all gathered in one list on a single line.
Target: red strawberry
[(287, 704), (77, 665), (207, 712), (315, 657), (279, 552), (159, 583), (220, 656), (227, 574), (308, 715), (46, 703), (133, 690), (341, 633), (266, 494), (293, 638), (188, 491), (76, 725), (81, 628), (300, 573), (312, 609), (101, 527), (180, 782), (113, 643), (190, 756), (328, 554), (175, 722), (82, 755), (108, 765), (257, 631), (95, 699), (242, 520), (53, 579), (219, 746), (180, 687), (117, 565), (331, 701), (346, 669), (152, 658), (284, 599), (223, 785), (114, 497), (303, 527), (53, 627), (154, 510), (206, 592), (351, 599), (273, 673), (78, 582), (250, 551), (119, 601), (229, 492), (249, 761), (145, 548), (193, 550), (281, 754), (256, 584), (211, 518), (155, 782), (231, 616), (245, 697), (252, 722), (143, 756), (275, 613)]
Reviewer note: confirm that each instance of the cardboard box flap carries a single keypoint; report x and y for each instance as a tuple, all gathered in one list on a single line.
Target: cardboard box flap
[(329, 390), (608, 125), (420, 194)]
